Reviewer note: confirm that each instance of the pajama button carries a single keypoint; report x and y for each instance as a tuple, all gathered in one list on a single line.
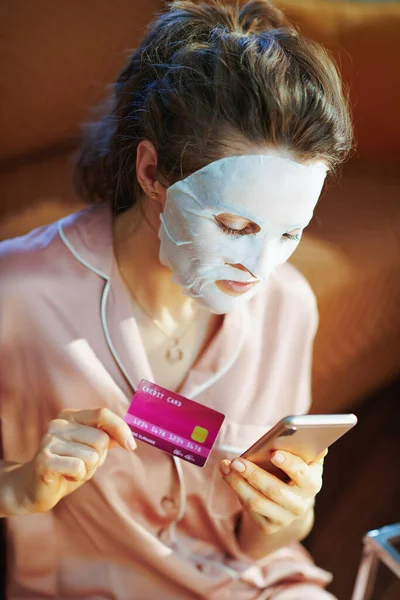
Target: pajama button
[(168, 503)]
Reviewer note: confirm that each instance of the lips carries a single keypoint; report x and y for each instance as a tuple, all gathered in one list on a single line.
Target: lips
[(234, 288)]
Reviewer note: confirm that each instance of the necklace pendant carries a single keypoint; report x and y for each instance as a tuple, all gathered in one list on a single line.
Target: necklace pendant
[(174, 354)]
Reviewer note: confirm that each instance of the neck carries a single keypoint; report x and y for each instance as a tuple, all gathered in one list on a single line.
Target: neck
[(137, 247)]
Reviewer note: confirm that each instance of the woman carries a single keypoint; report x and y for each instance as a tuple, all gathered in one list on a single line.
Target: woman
[(202, 176)]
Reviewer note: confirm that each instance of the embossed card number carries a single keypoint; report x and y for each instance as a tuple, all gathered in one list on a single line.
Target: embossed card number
[(173, 423)]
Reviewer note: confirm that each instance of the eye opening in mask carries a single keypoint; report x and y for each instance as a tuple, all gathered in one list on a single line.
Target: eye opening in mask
[(293, 236), (227, 223)]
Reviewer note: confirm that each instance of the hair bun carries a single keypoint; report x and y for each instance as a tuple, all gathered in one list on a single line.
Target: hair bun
[(261, 15), (255, 17)]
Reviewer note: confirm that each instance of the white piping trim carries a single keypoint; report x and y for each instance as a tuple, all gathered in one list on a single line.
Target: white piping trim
[(178, 465), (196, 392), (103, 308), (70, 247), (182, 489), (103, 303)]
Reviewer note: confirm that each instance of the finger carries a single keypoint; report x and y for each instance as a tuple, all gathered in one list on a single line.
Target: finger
[(95, 438), (272, 487), (254, 501), (309, 480), (320, 458), (86, 454), (50, 466), (105, 419)]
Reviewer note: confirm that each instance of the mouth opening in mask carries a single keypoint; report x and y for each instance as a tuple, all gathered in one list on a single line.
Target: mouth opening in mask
[(232, 287), (235, 288)]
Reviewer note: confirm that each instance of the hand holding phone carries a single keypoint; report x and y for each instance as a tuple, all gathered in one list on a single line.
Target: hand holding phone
[(305, 436), (278, 477)]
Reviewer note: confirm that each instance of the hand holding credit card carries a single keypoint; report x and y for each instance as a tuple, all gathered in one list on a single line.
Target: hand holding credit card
[(173, 423)]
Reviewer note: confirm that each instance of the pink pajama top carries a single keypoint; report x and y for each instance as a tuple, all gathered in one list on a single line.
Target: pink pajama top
[(145, 526)]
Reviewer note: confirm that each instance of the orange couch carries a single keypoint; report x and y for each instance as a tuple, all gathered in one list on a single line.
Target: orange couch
[(56, 59)]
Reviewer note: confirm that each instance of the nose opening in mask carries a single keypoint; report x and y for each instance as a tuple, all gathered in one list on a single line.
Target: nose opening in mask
[(241, 267)]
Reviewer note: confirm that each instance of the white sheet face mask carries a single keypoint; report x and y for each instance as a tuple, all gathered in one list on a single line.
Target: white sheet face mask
[(276, 193)]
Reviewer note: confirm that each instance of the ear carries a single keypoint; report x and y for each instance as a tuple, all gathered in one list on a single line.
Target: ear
[(147, 172)]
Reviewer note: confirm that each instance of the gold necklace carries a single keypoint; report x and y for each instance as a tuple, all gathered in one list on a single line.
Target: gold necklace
[(174, 352)]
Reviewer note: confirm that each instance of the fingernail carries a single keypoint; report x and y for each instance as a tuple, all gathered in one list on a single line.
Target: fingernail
[(238, 466), (225, 467), (131, 443), (278, 458)]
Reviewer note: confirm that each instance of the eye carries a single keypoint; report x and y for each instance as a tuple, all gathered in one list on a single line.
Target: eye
[(230, 231), (226, 222), (293, 236)]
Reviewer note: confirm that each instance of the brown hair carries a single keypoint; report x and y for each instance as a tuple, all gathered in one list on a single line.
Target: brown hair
[(205, 73)]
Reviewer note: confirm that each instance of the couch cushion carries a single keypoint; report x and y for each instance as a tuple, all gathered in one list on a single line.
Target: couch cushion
[(36, 193), (56, 59), (352, 260)]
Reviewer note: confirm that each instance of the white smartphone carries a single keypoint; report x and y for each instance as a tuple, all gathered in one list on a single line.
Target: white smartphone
[(303, 435)]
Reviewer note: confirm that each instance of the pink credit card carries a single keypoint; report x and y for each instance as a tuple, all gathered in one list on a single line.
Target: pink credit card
[(173, 423)]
